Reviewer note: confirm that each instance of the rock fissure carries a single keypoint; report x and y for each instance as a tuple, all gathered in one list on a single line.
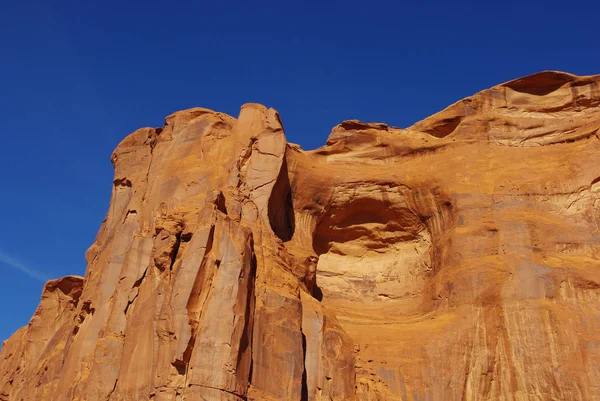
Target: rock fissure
[(193, 310), (112, 390)]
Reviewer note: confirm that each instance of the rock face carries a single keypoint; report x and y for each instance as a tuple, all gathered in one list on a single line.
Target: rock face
[(458, 259)]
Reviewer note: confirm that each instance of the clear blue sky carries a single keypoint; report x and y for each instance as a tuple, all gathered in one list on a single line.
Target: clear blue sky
[(77, 76)]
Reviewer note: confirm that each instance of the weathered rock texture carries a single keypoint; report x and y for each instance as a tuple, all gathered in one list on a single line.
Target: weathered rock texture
[(458, 259)]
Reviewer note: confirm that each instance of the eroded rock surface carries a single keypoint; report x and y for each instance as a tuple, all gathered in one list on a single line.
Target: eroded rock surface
[(458, 259)]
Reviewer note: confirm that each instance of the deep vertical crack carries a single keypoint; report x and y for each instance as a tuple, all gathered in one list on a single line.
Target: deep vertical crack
[(304, 394), (175, 250), (246, 340), (112, 391)]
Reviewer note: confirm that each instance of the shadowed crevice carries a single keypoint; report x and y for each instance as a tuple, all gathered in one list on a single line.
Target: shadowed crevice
[(281, 207), (220, 203), (175, 250), (304, 394), (246, 340)]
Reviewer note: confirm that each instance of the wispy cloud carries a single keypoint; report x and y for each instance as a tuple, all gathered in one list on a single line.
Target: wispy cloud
[(10, 261)]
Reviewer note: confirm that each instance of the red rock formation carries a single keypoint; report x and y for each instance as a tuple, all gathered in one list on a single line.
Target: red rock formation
[(458, 259)]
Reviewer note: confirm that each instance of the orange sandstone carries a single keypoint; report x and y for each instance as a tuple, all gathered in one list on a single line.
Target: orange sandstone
[(458, 259)]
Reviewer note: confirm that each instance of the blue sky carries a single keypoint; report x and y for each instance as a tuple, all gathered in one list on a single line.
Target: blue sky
[(78, 76)]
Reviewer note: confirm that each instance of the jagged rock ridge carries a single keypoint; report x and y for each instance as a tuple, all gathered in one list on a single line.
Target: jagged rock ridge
[(457, 259)]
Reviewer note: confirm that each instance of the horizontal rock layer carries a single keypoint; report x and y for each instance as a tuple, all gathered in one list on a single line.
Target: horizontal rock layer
[(458, 259)]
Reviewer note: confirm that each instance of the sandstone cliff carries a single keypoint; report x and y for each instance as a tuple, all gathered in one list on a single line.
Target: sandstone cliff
[(458, 259)]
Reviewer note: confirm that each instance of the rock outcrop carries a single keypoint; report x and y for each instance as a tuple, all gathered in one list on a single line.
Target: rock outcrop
[(458, 259)]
